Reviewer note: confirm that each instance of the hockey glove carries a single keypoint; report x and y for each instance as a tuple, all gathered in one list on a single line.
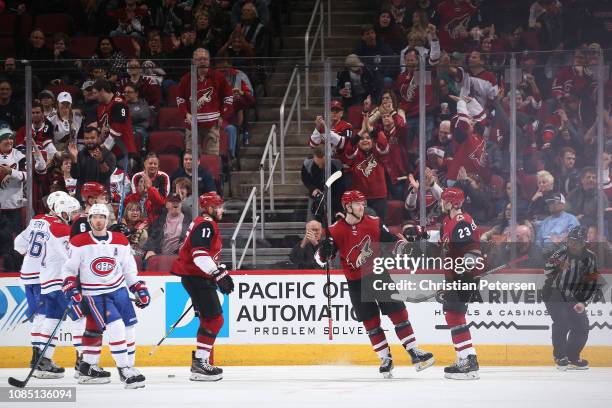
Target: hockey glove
[(71, 290), (224, 280), (327, 249), (142, 294)]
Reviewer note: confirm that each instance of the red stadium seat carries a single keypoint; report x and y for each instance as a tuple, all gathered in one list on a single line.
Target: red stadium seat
[(172, 94), (138, 260), (167, 141), (168, 162), (7, 24), (498, 187), (7, 47), (160, 263), (224, 144), (528, 183), (26, 26), (83, 47), (355, 117), (55, 23), (395, 212), (170, 118), (212, 164), (124, 43)]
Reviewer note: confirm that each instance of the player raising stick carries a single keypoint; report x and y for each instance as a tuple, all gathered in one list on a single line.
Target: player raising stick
[(201, 274), (104, 263), (459, 239), (357, 237)]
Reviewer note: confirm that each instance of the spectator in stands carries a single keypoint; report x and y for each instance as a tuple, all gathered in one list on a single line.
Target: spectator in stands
[(433, 191), (501, 227), (482, 83), (66, 123), (396, 161), (573, 79), (141, 114), (138, 227), (147, 197), (17, 79), (389, 31), (168, 231), (10, 112), (47, 101), (582, 201), (552, 230), (184, 47), (442, 141), (42, 132), (522, 205), (261, 7), (212, 107), (388, 104), (206, 183), (453, 17), (182, 187), (549, 25), (244, 99), (58, 173), (448, 105), (355, 83), (133, 20), (566, 176), (67, 66), (154, 57), (478, 200), (208, 36), (168, 18), (538, 207), (109, 56), (254, 30), (598, 243), (526, 254), (400, 13), (157, 178), (377, 57), (147, 88), (36, 52), (313, 178), (89, 106), (302, 254), (92, 163), (240, 51)]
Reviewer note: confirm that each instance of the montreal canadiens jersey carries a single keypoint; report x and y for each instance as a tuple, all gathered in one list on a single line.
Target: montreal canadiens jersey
[(44, 244), (103, 266), (203, 239)]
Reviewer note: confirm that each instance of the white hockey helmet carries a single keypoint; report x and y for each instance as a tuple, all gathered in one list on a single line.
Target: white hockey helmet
[(98, 209), (55, 197), (66, 207)]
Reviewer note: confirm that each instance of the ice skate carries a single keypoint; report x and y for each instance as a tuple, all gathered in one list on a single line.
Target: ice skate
[(421, 359), (562, 363), (202, 370), (79, 358), (48, 369), (579, 364), (35, 355), (131, 377), (463, 369), (386, 367), (92, 374)]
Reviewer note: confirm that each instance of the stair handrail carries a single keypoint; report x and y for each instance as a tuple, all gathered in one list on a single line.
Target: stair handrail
[(286, 122), (271, 155), (251, 200), (309, 48)]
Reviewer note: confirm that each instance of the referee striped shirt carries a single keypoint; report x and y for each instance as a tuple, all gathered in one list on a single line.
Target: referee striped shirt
[(574, 276)]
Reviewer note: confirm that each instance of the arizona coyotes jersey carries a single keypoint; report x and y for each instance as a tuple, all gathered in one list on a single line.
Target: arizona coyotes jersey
[(80, 225), (45, 246), (115, 116), (203, 239), (367, 169), (459, 235), (470, 154), (340, 132), (103, 266), (453, 17), (42, 136), (359, 244)]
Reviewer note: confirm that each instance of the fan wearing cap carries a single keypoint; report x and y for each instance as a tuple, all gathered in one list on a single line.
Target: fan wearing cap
[(459, 239), (552, 230), (571, 281), (201, 272), (47, 100), (357, 237), (66, 123), (340, 133), (354, 83)]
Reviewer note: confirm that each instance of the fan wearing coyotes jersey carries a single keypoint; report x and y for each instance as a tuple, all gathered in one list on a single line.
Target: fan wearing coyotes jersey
[(44, 244), (357, 238), (103, 263), (341, 131), (459, 239), (198, 266)]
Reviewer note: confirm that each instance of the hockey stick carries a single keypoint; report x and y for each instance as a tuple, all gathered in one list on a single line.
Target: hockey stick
[(21, 384), (154, 295), (125, 170), (331, 180), (154, 349), (482, 275)]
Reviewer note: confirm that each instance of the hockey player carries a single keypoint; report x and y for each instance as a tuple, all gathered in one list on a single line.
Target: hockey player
[(459, 238), (104, 264), (357, 237), (46, 243), (201, 274)]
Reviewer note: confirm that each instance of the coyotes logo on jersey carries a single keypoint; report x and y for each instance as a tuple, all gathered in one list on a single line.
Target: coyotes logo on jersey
[(205, 96), (457, 25), (359, 254), (479, 154), (368, 165)]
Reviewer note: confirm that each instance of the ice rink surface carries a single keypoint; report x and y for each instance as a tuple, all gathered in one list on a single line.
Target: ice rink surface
[(343, 386)]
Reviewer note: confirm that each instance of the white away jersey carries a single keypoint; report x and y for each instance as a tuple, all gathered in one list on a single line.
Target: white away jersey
[(11, 186), (102, 266), (44, 244)]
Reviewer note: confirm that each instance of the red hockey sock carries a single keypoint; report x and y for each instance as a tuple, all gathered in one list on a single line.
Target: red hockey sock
[(403, 329), (207, 333), (92, 341), (377, 336), (460, 333)]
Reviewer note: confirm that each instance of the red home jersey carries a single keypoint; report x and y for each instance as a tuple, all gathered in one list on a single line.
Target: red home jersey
[(459, 235), (115, 116), (203, 239), (470, 154)]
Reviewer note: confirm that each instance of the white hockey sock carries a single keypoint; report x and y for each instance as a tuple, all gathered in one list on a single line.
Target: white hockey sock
[(466, 352), (116, 342), (35, 333), (130, 339), (47, 328), (201, 353), (385, 352), (78, 327)]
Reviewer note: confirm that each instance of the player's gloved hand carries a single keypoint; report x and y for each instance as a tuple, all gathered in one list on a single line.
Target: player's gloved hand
[(224, 280), (71, 289), (327, 249), (142, 294)]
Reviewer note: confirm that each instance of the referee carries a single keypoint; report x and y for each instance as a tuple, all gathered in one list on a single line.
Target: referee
[(571, 280)]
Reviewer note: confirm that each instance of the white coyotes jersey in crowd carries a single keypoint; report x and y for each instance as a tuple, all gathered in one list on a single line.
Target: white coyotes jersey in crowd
[(44, 244), (119, 184), (11, 186), (103, 266)]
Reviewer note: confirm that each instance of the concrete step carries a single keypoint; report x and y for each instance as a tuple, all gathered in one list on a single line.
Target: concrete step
[(243, 177), (337, 5), (346, 17), (299, 29), (336, 40), (330, 51), (275, 101), (252, 164), (272, 114), (257, 151), (293, 189)]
